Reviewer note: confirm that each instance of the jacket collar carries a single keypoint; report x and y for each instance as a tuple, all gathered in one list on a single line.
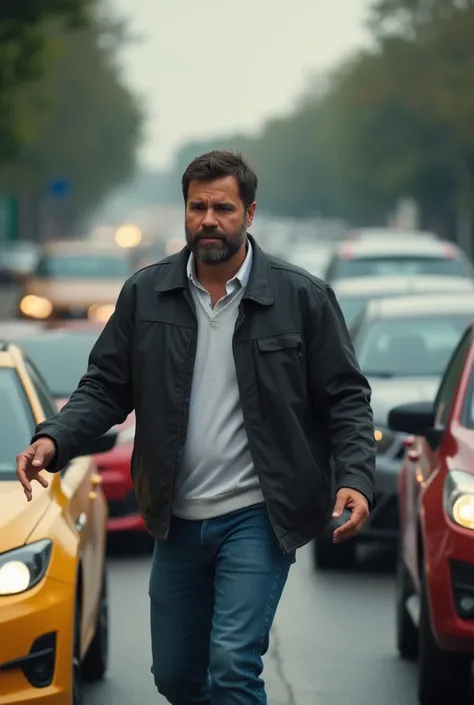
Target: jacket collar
[(258, 289)]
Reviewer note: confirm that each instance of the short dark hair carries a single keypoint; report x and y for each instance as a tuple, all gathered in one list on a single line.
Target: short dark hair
[(218, 164)]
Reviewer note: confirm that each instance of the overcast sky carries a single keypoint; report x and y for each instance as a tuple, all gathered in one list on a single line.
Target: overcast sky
[(211, 66)]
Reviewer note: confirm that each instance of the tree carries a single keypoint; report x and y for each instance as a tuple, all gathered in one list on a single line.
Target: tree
[(91, 124), (22, 47)]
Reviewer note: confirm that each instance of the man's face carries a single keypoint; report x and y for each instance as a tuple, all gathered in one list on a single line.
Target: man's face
[(216, 219)]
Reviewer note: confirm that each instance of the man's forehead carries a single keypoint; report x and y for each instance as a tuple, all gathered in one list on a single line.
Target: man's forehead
[(223, 189)]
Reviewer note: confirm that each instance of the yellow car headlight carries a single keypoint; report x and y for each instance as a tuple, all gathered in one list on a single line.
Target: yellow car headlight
[(459, 498), (22, 568), (36, 306)]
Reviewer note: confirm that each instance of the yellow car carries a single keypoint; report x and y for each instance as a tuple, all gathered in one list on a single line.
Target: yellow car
[(53, 587)]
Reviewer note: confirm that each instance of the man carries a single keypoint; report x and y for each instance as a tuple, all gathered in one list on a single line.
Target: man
[(247, 393)]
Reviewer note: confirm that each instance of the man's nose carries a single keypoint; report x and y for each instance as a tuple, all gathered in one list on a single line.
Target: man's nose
[(209, 220)]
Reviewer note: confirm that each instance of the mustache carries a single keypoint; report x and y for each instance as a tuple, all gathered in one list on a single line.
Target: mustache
[(209, 232)]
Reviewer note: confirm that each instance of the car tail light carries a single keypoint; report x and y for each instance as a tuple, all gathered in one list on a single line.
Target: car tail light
[(450, 252), (346, 251)]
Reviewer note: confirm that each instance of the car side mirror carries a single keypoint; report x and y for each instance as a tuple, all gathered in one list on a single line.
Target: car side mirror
[(417, 419), (102, 444)]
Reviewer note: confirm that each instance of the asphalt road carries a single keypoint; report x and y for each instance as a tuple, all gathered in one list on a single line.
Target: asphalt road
[(332, 642)]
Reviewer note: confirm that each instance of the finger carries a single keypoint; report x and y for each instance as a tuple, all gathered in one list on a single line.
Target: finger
[(352, 526), (38, 460), (42, 480), (346, 531), (340, 505), (21, 465)]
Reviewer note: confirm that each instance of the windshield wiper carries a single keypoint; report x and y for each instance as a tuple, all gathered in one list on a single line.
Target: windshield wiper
[(382, 374)]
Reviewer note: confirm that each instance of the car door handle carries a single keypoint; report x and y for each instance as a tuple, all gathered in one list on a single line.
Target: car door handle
[(81, 521)]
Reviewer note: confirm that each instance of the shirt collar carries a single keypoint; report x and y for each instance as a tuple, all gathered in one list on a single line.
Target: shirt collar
[(242, 276)]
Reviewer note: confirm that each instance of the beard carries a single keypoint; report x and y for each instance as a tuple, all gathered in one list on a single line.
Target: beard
[(215, 253)]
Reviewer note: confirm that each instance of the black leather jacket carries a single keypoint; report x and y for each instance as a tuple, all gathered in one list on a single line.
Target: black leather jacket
[(305, 402)]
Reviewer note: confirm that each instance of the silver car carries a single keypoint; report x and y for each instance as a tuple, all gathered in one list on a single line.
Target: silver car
[(354, 293), (403, 256), (403, 345)]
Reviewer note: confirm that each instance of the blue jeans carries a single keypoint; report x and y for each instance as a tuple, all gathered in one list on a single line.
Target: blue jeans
[(214, 589)]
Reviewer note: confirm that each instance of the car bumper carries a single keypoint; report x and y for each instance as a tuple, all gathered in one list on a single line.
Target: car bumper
[(449, 570), (36, 630)]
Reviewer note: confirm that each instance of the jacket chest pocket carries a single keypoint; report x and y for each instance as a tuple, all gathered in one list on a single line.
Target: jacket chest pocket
[(281, 360), (283, 343), (281, 373)]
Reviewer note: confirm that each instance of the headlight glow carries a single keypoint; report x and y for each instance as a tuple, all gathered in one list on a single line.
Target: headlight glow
[(36, 306), (463, 511), (22, 568), (384, 438), (100, 312), (459, 498), (128, 235), (14, 577)]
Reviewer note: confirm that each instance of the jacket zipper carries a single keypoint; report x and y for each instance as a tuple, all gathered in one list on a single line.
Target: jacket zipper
[(239, 322)]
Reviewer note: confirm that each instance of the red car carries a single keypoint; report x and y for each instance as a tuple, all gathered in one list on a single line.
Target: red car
[(61, 356), (435, 577)]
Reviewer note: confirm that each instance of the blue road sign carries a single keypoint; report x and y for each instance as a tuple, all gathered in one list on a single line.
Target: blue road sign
[(60, 187)]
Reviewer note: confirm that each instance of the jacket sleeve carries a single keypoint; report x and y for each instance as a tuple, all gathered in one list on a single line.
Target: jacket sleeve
[(104, 396), (342, 394)]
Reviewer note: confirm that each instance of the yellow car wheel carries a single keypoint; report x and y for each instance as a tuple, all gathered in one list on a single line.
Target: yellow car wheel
[(95, 662), (76, 660)]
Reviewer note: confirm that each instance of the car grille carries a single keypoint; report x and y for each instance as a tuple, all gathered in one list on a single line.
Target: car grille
[(462, 581)]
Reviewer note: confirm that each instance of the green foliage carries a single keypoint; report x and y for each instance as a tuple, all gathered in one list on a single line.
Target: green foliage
[(22, 52), (79, 121)]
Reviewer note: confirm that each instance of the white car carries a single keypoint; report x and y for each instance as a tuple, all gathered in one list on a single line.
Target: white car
[(353, 294), (387, 233), (397, 256)]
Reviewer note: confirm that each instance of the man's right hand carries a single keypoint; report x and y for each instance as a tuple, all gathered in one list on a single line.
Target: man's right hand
[(31, 461)]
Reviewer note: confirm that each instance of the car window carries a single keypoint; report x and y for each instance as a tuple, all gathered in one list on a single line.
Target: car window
[(48, 352), (467, 416), (331, 269), (445, 396), (415, 346), (93, 266), (352, 307), (401, 266), (18, 423), (47, 403)]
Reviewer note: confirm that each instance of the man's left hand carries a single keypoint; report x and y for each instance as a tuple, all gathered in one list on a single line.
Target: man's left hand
[(358, 506)]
